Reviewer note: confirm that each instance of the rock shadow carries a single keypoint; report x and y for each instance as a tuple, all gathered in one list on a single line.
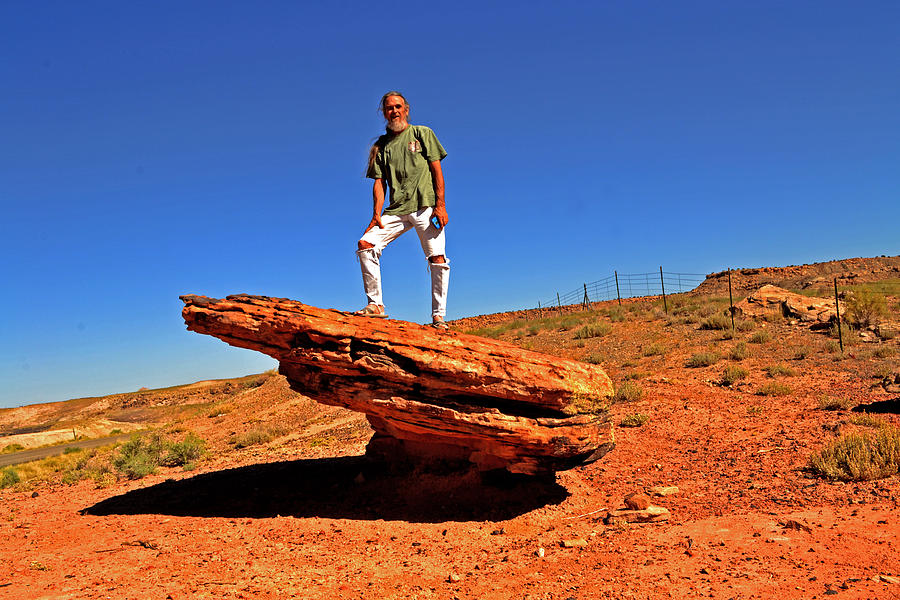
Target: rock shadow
[(880, 407), (341, 488)]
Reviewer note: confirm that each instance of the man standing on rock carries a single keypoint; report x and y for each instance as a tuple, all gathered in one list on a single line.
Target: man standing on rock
[(407, 160)]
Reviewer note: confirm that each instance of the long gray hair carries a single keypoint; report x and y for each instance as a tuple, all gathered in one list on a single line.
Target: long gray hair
[(373, 151)]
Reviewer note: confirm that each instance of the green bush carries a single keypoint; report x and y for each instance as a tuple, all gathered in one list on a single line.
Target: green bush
[(702, 359), (733, 374), (616, 314), (593, 330), (628, 392), (185, 452), (10, 448), (137, 458), (860, 456), (863, 308), (8, 477)]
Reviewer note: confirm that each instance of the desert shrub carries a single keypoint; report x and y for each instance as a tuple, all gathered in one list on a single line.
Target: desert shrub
[(534, 329), (185, 452), (832, 346), (634, 420), (886, 333), (733, 374), (137, 458), (860, 456), (728, 334), (754, 410), (774, 388), (773, 316), (496, 330), (592, 330), (739, 352), (716, 322), (850, 337), (72, 450), (10, 448), (616, 314), (707, 310), (834, 403), (568, 322), (8, 477), (863, 308), (655, 349), (867, 420), (628, 392), (760, 337), (779, 370), (801, 352), (883, 352), (702, 359), (744, 325), (250, 438), (594, 358), (635, 376)]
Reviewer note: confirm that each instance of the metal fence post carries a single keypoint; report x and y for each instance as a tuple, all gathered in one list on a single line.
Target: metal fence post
[(731, 299), (663, 286), (559, 302), (618, 295)]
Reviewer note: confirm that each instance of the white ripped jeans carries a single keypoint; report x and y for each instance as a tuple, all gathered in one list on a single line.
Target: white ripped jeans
[(432, 240)]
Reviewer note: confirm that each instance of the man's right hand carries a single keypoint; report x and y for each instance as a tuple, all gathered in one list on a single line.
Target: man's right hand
[(376, 220)]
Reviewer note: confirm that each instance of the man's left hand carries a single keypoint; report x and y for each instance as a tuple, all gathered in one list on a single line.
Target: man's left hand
[(441, 214)]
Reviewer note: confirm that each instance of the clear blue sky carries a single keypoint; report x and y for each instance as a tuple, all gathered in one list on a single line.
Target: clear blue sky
[(149, 150)]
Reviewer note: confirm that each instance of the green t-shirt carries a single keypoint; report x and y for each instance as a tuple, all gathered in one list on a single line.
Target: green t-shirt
[(402, 161)]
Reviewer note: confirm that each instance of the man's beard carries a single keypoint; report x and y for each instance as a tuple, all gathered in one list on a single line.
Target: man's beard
[(397, 125)]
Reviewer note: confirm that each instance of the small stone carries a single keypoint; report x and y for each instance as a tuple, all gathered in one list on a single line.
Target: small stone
[(539, 552), (663, 490), (889, 579), (651, 514), (637, 501), (831, 592), (34, 494), (798, 526), (575, 543), (500, 531), (453, 578)]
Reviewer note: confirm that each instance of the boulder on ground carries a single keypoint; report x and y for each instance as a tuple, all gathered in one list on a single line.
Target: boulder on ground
[(428, 394), (771, 298)]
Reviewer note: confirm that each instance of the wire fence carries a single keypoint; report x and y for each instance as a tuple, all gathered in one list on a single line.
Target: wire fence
[(627, 285)]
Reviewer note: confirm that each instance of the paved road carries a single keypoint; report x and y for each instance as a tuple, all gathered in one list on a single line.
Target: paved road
[(24, 456)]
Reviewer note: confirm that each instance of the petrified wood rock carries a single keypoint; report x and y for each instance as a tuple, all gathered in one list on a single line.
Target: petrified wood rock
[(426, 393)]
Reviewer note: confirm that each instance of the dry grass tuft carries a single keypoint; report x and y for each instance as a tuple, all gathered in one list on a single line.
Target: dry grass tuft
[(702, 359), (634, 420), (628, 392), (774, 388), (834, 403), (733, 374), (860, 456)]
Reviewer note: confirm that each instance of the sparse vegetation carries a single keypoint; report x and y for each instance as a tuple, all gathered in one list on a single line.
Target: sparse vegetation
[(594, 358), (834, 403), (883, 352), (250, 438), (139, 457), (864, 307), (801, 352), (634, 420), (628, 392), (885, 332), (10, 448), (8, 477), (733, 374), (616, 314), (744, 325), (702, 359), (780, 370), (739, 352), (655, 349), (593, 330), (860, 456), (716, 322), (867, 420), (774, 388), (760, 337)]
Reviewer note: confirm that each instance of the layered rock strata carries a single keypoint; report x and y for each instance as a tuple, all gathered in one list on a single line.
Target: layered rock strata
[(428, 394)]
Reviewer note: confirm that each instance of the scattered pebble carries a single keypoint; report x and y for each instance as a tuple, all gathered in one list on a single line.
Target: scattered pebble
[(575, 543), (539, 552), (453, 578), (663, 490)]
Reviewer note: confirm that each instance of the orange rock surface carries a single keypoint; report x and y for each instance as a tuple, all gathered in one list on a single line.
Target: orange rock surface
[(427, 393)]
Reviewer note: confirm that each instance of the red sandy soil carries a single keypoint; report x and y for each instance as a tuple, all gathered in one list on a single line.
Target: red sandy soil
[(303, 516)]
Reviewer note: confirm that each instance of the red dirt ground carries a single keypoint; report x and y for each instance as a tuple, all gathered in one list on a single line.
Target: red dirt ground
[(304, 517)]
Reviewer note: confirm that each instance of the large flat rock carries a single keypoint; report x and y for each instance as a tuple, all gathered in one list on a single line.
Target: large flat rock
[(428, 394)]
